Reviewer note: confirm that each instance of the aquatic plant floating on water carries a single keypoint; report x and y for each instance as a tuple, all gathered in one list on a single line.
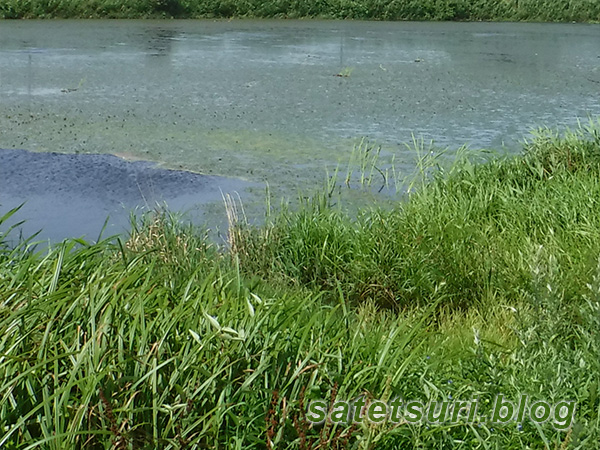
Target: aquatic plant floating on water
[(345, 72), (67, 90)]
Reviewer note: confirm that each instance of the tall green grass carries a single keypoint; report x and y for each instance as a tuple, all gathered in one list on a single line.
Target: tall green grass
[(468, 234), (140, 346), (484, 280), (472, 10)]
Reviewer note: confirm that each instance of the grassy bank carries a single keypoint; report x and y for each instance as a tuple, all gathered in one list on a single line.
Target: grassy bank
[(468, 10), (485, 280)]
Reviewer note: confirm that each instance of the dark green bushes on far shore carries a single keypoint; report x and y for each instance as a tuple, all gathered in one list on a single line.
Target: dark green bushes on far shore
[(459, 10)]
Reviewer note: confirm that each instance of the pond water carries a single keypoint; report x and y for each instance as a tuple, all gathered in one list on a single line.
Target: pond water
[(68, 195), (281, 101)]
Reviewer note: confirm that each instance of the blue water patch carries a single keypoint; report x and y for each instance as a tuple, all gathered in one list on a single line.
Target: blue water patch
[(72, 195)]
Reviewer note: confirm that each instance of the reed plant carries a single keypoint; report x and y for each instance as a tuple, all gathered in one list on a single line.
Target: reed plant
[(484, 279), (467, 231)]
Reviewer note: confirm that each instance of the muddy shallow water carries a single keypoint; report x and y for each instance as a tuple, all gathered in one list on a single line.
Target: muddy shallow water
[(281, 101), (73, 195)]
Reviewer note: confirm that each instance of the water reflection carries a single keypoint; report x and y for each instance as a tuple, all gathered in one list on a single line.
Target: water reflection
[(159, 41), (29, 75)]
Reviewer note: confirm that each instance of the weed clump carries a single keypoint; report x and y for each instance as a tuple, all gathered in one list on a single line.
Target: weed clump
[(483, 280), (466, 235)]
